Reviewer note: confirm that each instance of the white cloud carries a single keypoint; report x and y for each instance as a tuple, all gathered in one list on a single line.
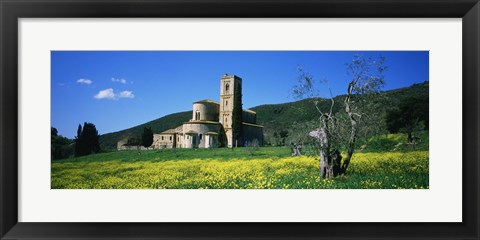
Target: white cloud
[(110, 94), (126, 94), (106, 94), (84, 81), (120, 80)]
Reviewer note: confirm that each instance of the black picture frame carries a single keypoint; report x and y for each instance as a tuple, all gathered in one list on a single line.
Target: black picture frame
[(11, 11)]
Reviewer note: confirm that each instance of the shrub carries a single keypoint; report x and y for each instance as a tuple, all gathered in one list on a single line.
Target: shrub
[(252, 146)]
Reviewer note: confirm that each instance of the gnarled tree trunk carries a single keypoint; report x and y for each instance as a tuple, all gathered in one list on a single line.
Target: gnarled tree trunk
[(329, 160), (353, 130), (322, 137)]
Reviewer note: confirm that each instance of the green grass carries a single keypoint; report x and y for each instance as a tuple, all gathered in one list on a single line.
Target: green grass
[(394, 143), (267, 168), (183, 154)]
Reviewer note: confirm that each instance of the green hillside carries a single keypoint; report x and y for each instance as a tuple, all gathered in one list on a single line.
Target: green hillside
[(276, 117), (109, 141), (294, 115)]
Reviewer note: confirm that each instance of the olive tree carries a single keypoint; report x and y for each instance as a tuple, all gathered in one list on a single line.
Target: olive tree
[(338, 130)]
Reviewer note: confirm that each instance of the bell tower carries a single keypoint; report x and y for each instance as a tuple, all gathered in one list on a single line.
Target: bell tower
[(230, 92)]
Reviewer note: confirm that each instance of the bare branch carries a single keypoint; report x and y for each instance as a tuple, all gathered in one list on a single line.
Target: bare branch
[(315, 102), (333, 102)]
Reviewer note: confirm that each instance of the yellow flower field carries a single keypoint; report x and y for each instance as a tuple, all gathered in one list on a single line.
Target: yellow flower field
[(390, 170)]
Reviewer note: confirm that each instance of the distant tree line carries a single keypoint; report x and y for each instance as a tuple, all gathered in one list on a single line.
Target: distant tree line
[(86, 142), (410, 116), (61, 147)]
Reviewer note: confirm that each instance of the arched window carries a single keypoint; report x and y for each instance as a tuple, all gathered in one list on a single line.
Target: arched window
[(200, 136), (226, 102), (197, 115), (227, 87)]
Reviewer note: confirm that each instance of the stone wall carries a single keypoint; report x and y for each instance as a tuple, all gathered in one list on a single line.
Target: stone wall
[(163, 141), (251, 132), (208, 111), (249, 116), (129, 147), (195, 133)]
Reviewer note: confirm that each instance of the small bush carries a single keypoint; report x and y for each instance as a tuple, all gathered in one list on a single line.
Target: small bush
[(252, 146)]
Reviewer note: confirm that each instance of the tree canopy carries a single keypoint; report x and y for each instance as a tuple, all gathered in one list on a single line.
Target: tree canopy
[(61, 147), (411, 115), (87, 140)]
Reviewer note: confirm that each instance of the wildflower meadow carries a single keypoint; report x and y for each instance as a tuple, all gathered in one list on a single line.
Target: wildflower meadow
[(265, 168)]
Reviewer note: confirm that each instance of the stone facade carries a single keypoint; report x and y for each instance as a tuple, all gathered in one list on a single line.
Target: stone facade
[(211, 123), (166, 139), (201, 134), (228, 85), (123, 145)]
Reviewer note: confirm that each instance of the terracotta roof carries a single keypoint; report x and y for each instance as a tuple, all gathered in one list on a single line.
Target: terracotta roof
[(207, 101), (253, 125), (169, 131), (191, 132), (179, 129), (201, 122)]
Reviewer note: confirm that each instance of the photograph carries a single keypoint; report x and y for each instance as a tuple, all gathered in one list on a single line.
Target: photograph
[(239, 119)]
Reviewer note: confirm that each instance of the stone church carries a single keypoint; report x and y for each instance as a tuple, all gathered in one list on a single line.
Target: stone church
[(211, 123)]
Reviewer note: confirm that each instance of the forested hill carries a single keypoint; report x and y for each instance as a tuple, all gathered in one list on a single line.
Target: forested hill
[(289, 116), (109, 141), (275, 117)]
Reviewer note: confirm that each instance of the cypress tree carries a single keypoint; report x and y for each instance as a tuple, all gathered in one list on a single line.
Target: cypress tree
[(237, 114), (90, 135), (147, 137), (78, 142), (87, 140)]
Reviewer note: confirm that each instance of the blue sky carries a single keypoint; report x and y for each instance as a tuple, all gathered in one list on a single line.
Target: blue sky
[(116, 90)]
